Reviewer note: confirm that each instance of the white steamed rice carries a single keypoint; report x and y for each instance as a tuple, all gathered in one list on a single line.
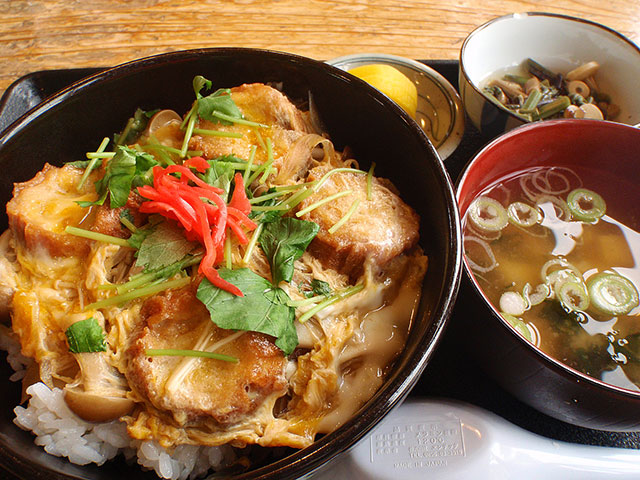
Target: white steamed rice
[(63, 434)]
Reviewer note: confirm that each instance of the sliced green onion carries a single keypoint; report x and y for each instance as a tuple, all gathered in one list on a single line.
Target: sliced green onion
[(346, 217), (586, 205), (612, 293), (100, 237), (217, 133), (518, 325), (330, 301), (523, 214), (172, 352), (539, 295), (488, 214), (238, 121), (140, 292), (319, 203), (370, 181), (573, 295)]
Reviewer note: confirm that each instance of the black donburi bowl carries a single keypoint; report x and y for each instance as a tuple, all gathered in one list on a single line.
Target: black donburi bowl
[(74, 121)]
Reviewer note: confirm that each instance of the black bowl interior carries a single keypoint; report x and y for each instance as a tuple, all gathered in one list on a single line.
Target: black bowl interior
[(74, 121)]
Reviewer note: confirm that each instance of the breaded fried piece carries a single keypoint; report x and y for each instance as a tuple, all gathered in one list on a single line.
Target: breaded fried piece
[(107, 219), (194, 388), (44, 206), (258, 103), (381, 228)]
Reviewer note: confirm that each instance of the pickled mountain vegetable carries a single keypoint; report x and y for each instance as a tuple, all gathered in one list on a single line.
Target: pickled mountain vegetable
[(533, 92)]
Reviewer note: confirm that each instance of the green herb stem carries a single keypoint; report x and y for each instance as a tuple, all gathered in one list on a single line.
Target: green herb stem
[(100, 237), (319, 203), (238, 121), (158, 352), (187, 135), (227, 251), (324, 178), (266, 196), (269, 161), (140, 292), (252, 243), (247, 171), (346, 217), (260, 139), (127, 223), (100, 155), (146, 278), (216, 133), (94, 160), (189, 115), (297, 186), (348, 292)]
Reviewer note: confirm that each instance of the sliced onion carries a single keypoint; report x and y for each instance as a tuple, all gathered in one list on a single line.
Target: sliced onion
[(298, 158), (487, 248), (573, 295), (523, 214), (586, 205), (542, 181), (613, 294), (560, 206), (513, 303), (488, 214)]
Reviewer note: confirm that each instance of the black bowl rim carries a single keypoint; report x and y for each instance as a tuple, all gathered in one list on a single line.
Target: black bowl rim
[(395, 388), (547, 360), (570, 18)]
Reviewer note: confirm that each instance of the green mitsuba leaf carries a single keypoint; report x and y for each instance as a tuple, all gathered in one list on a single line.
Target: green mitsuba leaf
[(283, 242), (218, 101), (127, 168), (164, 245), (86, 336), (314, 288), (263, 308), (220, 175)]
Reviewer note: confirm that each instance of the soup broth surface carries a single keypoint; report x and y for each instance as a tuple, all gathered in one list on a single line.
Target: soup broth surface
[(539, 254)]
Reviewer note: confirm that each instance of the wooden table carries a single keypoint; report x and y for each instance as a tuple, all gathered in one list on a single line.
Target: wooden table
[(52, 34)]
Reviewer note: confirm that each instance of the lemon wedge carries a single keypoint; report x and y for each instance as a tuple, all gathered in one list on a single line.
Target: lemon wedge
[(392, 83)]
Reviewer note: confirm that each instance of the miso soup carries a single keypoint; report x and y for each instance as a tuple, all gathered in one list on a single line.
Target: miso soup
[(557, 255)]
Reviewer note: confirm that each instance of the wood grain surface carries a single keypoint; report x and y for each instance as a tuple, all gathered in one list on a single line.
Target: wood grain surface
[(52, 34)]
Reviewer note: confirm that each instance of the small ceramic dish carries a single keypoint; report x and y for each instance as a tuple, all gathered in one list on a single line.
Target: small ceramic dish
[(440, 113), (558, 42)]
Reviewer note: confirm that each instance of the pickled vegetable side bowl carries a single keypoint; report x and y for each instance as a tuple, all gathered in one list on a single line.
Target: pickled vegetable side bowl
[(574, 62), (552, 248)]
